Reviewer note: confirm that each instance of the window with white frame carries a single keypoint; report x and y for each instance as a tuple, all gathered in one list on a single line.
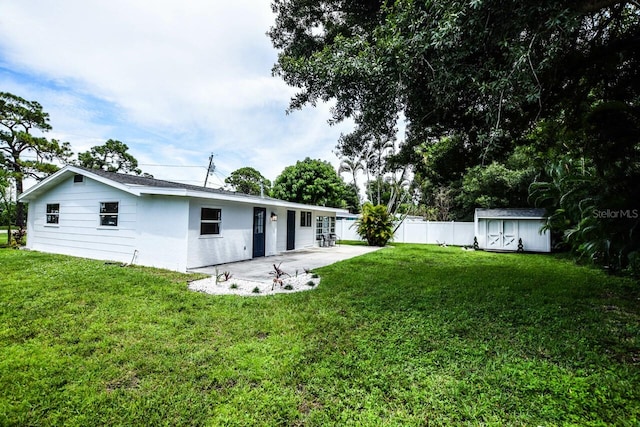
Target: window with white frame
[(305, 219), (325, 227), (53, 213), (109, 214), (210, 221)]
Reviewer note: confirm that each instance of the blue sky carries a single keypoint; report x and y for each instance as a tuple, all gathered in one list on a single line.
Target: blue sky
[(175, 81)]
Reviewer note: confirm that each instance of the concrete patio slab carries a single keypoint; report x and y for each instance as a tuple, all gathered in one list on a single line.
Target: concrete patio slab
[(258, 268)]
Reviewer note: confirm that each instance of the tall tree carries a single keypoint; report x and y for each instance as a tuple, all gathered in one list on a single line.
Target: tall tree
[(352, 166), (22, 153), (248, 180), (112, 156), (486, 69), (474, 79), (312, 182)]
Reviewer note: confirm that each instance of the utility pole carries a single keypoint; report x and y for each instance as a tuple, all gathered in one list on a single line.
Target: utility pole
[(210, 170)]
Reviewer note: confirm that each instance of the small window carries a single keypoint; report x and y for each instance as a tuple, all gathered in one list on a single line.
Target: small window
[(53, 213), (78, 178), (305, 219), (210, 219), (109, 214)]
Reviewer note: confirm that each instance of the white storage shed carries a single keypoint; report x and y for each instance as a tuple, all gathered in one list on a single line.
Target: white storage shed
[(512, 230)]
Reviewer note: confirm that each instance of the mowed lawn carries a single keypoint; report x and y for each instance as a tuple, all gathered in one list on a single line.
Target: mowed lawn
[(409, 335)]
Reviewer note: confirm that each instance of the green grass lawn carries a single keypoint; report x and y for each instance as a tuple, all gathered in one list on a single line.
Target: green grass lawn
[(409, 335)]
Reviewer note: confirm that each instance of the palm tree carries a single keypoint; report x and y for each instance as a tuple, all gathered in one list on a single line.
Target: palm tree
[(374, 157), (352, 166)]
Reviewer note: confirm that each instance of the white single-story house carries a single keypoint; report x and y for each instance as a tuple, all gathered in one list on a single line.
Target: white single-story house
[(512, 230), (128, 218)]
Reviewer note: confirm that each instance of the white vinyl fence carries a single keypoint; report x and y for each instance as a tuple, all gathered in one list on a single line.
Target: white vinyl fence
[(418, 231)]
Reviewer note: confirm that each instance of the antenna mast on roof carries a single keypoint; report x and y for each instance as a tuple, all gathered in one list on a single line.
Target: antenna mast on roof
[(210, 170)]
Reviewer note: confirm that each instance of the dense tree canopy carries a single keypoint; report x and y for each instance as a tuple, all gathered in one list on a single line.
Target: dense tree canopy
[(487, 68), (112, 156), (312, 182), (475, 79), (22, 153), (248, 180)]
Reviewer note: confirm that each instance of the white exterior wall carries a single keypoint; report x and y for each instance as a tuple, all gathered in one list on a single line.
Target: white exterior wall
[(78, 232), (305, 236), (480, 230), (532, 239), (281, 227), (235, 241), (162, 232), (142, 230)]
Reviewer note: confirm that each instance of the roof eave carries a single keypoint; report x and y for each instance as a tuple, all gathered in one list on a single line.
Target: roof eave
[(138, 190), (256, 200)]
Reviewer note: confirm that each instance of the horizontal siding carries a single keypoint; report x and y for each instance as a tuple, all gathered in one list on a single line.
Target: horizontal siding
[(79, 232)]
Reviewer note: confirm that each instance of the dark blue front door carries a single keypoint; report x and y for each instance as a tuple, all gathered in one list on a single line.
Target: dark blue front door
[(291, 230), (259, 219)]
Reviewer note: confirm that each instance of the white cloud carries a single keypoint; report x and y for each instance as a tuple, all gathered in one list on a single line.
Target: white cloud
[(175, 81)]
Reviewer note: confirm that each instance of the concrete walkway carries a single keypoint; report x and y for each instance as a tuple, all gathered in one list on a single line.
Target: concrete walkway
[(258, 268)]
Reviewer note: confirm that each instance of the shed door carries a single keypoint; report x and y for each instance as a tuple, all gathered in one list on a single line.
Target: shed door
[(509, 238), (291, 230), (502, 234), (259, 217), (494, 234)]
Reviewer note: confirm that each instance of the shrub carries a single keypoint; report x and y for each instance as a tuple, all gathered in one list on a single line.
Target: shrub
[(375, 225), (256, 290)]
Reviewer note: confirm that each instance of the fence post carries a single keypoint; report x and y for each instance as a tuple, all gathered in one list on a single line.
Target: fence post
[(453, 232)]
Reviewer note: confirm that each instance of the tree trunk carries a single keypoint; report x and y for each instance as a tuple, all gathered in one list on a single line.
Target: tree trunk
[(19, 189)]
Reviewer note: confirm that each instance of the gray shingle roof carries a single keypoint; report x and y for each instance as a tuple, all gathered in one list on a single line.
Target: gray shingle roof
[(158, 183), (510, 213)]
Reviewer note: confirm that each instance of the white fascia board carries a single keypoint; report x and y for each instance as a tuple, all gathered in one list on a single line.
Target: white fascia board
[(510, 217), (32, 192), (160, 191)]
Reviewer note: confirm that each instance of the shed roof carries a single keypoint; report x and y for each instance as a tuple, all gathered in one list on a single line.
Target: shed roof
[(518, 213), (140, 185)]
